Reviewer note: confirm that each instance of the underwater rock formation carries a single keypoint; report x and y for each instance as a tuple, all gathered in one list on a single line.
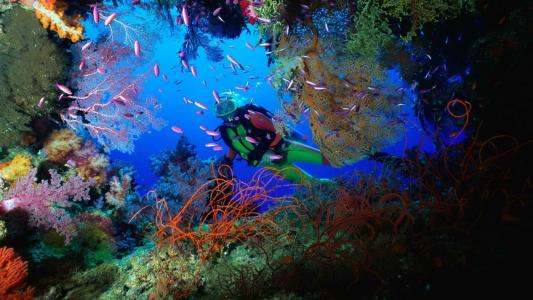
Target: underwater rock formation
[(30, 65)]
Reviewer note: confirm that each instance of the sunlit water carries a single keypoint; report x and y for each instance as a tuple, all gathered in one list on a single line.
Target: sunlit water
[(163, 50)]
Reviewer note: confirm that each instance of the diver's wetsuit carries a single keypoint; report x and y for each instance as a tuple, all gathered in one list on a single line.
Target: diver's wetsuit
[(255, 122)]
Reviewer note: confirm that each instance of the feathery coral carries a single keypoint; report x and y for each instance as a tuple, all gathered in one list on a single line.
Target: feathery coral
[(13, 271), (51, 14), (349, 114), (48, 202)]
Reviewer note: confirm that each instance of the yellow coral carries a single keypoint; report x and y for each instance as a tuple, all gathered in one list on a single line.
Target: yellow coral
[(95, 168), (60, 144), (52, 16), (19, 166)]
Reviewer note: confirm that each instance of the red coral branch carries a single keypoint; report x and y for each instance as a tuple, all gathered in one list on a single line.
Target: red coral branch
[(233, 213), (13, 272)]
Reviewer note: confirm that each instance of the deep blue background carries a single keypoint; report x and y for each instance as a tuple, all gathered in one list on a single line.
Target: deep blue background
[(162, 49)]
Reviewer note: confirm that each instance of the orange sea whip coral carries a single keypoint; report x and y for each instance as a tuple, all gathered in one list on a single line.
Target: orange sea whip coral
[(51, 14), (232, 213), (345, 227), (13, 271)]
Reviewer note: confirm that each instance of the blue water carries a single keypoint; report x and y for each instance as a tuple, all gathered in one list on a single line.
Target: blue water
[(164, 45)]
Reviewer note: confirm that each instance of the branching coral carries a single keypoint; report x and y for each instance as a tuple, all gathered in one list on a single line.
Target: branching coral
[(118, 191), (51, 14), (344, 228), (107, 103), (90, 163), (48, 201), (13, 272), (233, 214), (181, 172), (270, 10)]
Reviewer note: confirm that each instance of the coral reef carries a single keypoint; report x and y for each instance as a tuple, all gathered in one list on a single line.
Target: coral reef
[(232, 213), (374, 21), (52, 15), (31, 64), (115, 116), (90, 284), (118, 191), (90, 163), (13, 272), (63, 146), (19, 166), (206, 25), (161, 273), (60, 144), (447, 218), (349, 113), (3, 230), (48, 201), (181, 173)]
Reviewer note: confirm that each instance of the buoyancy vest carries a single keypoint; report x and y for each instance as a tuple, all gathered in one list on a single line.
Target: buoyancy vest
[(234, 133)]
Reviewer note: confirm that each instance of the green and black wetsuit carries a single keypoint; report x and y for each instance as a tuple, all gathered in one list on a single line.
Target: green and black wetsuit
[(235, 131)]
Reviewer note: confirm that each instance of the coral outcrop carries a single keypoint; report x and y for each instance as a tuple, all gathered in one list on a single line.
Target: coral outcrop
[(19, 166), (52, 15), (13, 272)]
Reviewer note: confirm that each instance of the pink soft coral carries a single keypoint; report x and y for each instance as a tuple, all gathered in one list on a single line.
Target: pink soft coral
[(47, 202)]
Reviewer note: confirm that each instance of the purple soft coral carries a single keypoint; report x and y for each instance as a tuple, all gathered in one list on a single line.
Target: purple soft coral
[(47, 202)]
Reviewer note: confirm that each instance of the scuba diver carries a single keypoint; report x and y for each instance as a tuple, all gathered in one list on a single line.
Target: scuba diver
[(249, 132)]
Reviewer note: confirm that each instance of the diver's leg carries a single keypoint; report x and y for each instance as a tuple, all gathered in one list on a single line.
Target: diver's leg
[(298, 152), (291, 173)]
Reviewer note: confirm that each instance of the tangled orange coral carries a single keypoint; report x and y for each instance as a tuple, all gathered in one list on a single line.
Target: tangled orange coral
[(13, 271), (51, 14), (232, 213), (60, 144)]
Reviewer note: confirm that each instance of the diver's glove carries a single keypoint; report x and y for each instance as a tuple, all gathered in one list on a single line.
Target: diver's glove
[(267, 157)]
